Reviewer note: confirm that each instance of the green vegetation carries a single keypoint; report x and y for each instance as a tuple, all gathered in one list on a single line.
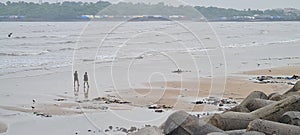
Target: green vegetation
[(146, 9), (213, 12), (51, 11), (73, 10)]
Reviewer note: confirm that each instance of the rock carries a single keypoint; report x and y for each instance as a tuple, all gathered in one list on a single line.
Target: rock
[(183, 123), (274, 111), (159, 111), (124, 130), (132, 129), (239, 120), (148, 131), (271, 128), (293, 91), (42, 114), (242, 106), (254, 133), (236, 132), (3, 127), (60, 99), (217, 133), (257, 103), (232, 120), (292, 118), (276, 97)]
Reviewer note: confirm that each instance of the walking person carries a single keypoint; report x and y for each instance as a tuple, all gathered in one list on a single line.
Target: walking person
[(86, 80), (76, 79), (86, 85)]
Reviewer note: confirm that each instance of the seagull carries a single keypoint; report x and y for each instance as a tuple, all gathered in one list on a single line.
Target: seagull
[(10, 34)]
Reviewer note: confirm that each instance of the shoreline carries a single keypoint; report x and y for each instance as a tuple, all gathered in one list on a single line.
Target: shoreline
[(179, 95), (80, 20)]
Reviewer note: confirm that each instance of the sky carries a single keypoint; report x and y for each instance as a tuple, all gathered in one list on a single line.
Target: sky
[(236, 4)]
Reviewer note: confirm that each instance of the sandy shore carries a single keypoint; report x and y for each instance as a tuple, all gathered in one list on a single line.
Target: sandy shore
[(285, 71), (3, 127), (244, 56), (181, 94)]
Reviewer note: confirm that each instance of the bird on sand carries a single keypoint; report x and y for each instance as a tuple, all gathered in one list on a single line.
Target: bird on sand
[(10, 34)]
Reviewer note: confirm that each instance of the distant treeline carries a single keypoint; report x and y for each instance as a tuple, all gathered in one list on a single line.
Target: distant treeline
[(73, 10)]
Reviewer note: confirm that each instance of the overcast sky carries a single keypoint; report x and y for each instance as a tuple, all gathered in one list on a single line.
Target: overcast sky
[(238, 4)]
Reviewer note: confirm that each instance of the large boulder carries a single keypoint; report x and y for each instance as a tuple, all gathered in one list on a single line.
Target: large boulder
[(291, 117), (293, 91), (254, 133), (242, 107), (240, 120), (271, 127), (183, 123)]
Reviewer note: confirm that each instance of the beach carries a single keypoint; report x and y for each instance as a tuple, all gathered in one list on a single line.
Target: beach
[(137, 66)]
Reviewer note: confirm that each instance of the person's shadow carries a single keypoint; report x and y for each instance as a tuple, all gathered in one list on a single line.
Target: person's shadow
[(76, 90), (86, 91)]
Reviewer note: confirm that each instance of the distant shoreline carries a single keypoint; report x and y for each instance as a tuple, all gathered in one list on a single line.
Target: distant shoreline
[(116, 20)]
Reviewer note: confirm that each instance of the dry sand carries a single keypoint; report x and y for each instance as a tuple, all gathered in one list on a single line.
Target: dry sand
[(3, 127), (286, 71), (179, 94)]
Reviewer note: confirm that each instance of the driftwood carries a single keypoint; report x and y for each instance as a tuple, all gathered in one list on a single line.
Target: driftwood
[(257, 103), (270, 127), (292, 118), (242, 106), (183, 123), (237, 120)]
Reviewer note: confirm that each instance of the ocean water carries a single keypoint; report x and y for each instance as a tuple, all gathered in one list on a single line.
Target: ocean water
[(48, 46)]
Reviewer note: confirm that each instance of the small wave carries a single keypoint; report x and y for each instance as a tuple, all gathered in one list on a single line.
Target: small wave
[(37, 31), (22, 37), (254, 44), (69, 49), (66, 49), (232, 37), (74, 35), (49, 37), (63, 42), (23, 54)]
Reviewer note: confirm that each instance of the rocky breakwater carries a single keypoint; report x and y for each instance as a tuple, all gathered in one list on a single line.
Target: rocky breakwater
[(258, 114)]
